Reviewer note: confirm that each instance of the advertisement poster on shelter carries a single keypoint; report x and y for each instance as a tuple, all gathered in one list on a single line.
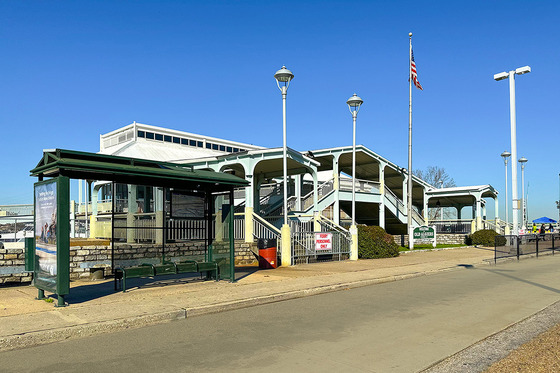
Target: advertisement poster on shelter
[(45, 231)]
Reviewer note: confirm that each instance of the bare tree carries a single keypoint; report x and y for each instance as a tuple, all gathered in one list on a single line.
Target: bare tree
[(438, 178)]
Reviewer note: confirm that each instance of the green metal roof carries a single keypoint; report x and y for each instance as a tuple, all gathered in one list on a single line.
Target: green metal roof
[(93, 166)]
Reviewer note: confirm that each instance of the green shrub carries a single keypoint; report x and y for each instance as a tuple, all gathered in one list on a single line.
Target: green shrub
[(374, 242), (486, 237)]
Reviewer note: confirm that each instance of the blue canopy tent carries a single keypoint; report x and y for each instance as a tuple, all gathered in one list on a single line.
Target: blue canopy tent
[(544, 219)]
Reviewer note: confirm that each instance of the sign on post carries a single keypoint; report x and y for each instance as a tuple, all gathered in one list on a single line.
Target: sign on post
[(425, 233), (323, 241)]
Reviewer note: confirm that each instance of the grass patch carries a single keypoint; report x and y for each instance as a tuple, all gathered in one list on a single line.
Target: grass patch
[(429, 246)]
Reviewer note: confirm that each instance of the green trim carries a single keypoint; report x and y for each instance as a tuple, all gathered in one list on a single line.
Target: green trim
[(63, 238)]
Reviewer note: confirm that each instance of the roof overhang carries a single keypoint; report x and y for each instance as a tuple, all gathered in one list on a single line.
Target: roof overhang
[(92, 166)]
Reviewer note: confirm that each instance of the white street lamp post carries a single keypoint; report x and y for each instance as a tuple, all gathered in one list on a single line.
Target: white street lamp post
[(354, 104), (505, 155), (523, 160), (283, 78), (511, 76)]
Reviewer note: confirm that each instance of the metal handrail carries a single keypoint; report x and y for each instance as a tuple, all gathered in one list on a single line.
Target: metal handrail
[(332, 225)]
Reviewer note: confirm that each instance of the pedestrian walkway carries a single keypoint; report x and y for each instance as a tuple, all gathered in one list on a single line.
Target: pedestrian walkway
[(96, 308)]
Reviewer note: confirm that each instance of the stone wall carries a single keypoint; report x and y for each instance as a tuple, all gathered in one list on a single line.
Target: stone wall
[(451, 239), (87, 259), (12, 265)]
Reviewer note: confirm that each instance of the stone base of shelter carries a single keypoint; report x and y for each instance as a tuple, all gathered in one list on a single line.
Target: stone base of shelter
[(92, 262)]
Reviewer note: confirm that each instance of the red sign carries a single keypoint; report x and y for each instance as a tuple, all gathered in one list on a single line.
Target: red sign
[(323, 241)]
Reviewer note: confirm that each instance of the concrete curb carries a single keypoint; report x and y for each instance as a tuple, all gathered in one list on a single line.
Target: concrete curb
[(41, 337)]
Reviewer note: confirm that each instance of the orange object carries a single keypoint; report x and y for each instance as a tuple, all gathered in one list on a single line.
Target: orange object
[(268, 258)]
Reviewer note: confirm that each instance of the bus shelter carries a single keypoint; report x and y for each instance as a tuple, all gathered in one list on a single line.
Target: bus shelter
[(183, 215)]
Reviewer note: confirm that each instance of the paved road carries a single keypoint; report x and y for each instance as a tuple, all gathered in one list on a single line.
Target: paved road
[(401, 326)]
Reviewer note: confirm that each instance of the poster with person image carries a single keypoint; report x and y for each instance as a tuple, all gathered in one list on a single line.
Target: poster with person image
[(46, 232)]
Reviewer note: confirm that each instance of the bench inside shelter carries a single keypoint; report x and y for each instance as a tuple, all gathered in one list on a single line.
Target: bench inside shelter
[(161, 218)]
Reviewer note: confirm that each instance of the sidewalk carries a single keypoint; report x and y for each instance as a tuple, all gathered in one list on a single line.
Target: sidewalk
[(96, 308)]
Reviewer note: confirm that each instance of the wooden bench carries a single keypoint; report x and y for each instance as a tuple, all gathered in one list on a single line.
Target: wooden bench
[(211, 269)]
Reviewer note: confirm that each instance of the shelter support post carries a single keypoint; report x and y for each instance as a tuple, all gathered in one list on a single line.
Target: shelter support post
[(286, 245)]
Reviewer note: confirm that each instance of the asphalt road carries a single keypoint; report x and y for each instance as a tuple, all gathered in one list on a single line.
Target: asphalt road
[(402, 326)]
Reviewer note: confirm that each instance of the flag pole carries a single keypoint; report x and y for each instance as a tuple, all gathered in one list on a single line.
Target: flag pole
[(409, 191)]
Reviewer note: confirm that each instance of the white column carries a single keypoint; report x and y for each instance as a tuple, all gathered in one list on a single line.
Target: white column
[(131, 233), (382, 192), (249, 199), (159, 204), (297, 181), (336, 186)]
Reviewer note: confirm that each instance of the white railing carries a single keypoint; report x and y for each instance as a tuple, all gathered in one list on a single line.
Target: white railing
[(322, 190), (301, 226), (392, 197), (263, 229), (328, 225), (239, 226), (362, 186)]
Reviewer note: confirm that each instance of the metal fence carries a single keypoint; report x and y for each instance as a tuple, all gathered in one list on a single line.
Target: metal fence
[(452, 226), (304, 248), (508, 246)]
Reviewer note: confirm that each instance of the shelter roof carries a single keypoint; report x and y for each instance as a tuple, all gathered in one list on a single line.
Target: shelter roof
[(92, 166)]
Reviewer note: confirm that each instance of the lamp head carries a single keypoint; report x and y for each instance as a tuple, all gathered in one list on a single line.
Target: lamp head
[(523, 70), (354, 103), (522, 160), (501, 76), (505, 155), (283, 75)]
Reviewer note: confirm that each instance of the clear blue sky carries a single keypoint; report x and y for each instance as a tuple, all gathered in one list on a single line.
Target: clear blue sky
[(70, 71)]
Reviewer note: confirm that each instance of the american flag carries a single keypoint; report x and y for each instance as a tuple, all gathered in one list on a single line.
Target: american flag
[(413, 71)]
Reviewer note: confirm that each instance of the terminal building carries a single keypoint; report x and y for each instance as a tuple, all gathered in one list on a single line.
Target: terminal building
[(319, 188)]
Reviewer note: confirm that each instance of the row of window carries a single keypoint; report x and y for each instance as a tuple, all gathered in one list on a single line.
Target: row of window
[(183, 141)]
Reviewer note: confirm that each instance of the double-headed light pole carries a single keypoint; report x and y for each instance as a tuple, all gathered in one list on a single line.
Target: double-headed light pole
[(511, 75), (354, 104)]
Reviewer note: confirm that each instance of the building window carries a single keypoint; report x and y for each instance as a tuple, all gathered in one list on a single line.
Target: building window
[(241, 150), (192, 142), (150, 135), (159, 136), (176, 140), (208, 145), (184, 141), (167, 138), (141, 134), (235, 150), (199, 144), (229, 149), (215, 146)]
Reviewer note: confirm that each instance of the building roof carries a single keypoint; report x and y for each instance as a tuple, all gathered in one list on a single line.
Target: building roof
[(91, 166)]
